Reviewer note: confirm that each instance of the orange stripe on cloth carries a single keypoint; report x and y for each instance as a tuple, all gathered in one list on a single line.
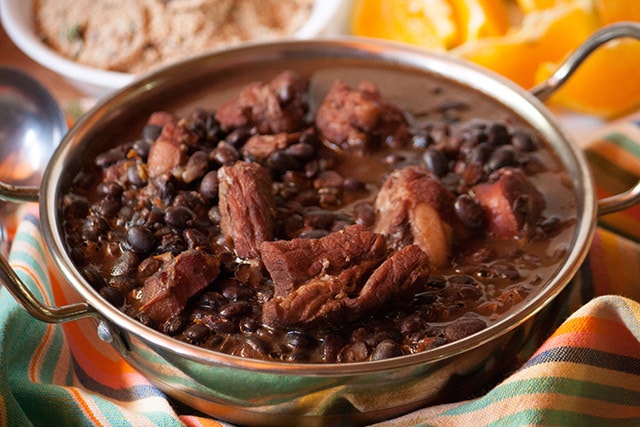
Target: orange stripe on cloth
[(192, 421), (596, 333), (97, 358), (87, 408), (615, 265), (616, 154), (3, 412)]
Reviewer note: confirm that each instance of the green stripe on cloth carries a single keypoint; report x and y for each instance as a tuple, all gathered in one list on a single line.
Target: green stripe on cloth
[(541, 416), (554, 385), (624, 142)]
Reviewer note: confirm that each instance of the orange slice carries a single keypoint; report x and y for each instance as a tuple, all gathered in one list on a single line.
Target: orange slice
[(544, 36), (605, 85), (426, 23), (481, 18), (528, 6), (611, 11)]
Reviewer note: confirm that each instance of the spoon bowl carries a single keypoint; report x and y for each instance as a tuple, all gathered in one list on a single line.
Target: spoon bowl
[(31, 127)]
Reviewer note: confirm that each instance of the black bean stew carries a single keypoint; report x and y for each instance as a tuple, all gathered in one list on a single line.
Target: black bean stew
[(346, 232)]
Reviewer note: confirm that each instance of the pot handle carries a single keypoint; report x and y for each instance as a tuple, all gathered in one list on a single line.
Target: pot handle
[(19, 194), (66, 313), (545, 89), (40, 311)]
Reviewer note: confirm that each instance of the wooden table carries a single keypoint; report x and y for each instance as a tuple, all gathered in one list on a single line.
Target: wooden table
[(11, 56)]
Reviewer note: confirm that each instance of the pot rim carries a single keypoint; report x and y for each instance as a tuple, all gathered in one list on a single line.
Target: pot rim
[(441, 64)]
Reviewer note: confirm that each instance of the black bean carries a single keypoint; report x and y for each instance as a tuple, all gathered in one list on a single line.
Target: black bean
[(468, 291), (126, 264), (136, 176), (310, 139), (308, 198), (248, 325), (411, 323), (463, 327), (353, 184), (475, 136), (236, 292), (209, 185), (301, 151), (386, 349), (94, 277), (365, 214), (123, 284), (75, 207), (436, 162), (211, 300), (329, 198), (319, 219), (354, 352), (502, 157), (112, 295), (331, 347), (196, 167), (257, 345), (142, 147), (93, 227), (196, 333), (235, 309), (523, 141), (151, 132), (298, 340), (222, 325), (141, 239), (480, 153), (238, 136), (225, 154), (281, 161), (174, 325), (110, 157), (214, 215), (179, 217), (470, 212), (109, 189), (155, 218), (498, 134)]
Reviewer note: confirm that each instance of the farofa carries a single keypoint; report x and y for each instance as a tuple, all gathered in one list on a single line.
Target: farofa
[(135, 35)]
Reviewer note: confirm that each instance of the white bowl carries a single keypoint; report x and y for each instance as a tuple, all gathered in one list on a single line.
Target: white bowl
[(327, 17)]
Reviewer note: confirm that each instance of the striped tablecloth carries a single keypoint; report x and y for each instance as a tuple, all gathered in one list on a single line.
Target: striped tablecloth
[(586, 373)]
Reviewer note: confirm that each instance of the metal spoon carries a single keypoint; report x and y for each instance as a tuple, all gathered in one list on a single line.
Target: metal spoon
[(31, 126)]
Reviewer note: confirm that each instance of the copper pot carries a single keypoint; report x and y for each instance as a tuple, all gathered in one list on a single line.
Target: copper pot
[(269, 393)]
